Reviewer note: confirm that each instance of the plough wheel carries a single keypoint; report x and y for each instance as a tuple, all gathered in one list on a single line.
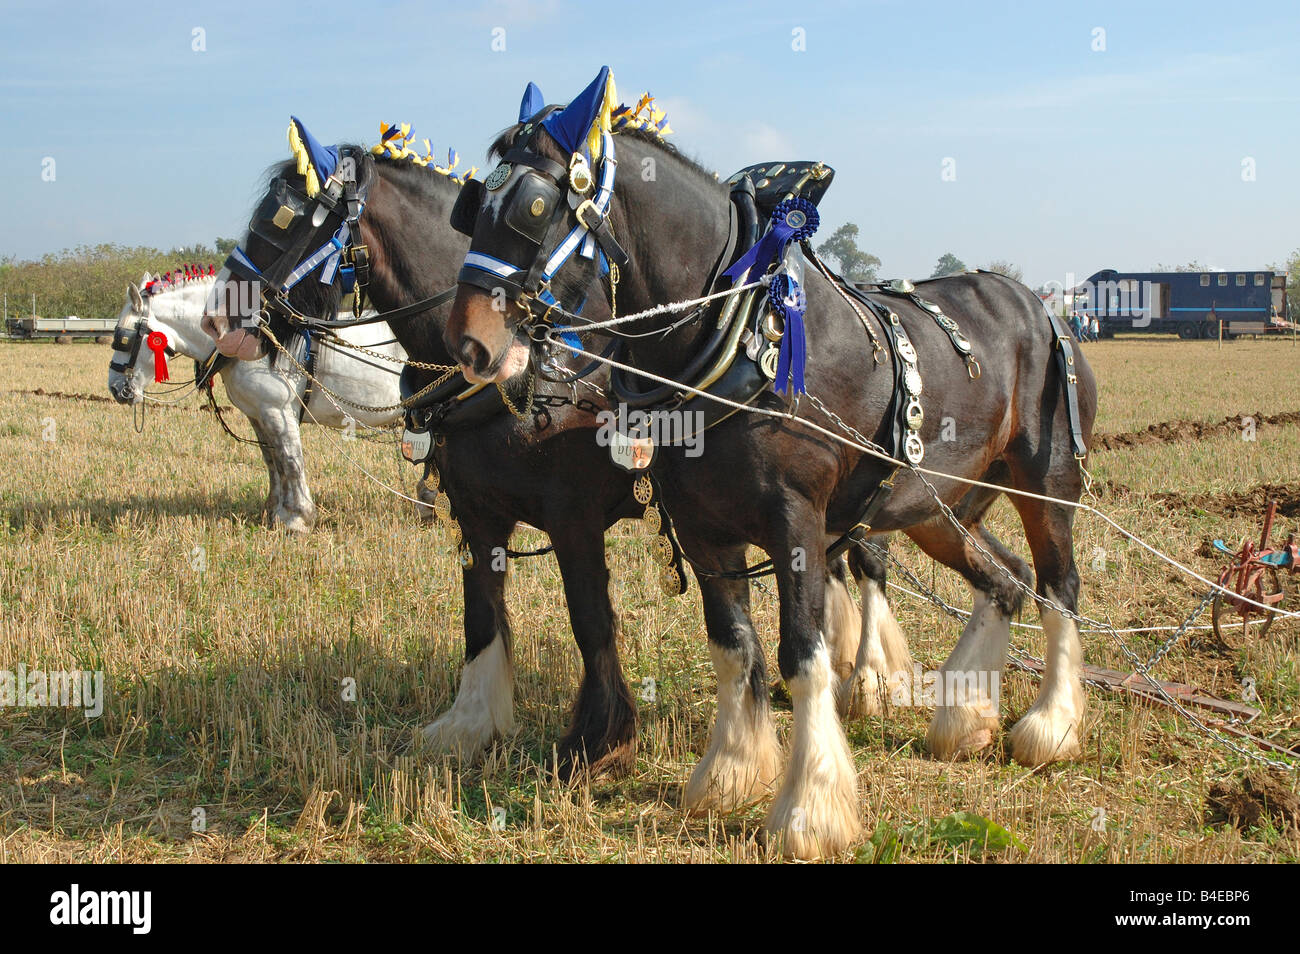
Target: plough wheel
[(1233, 630)]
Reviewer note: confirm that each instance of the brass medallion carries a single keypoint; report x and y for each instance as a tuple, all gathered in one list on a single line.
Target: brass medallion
[(653, 521), (497, 177), (442, 506), (914, 448), (642, 490), (768, 362), (914, 416), (671, 582), (662, 550)]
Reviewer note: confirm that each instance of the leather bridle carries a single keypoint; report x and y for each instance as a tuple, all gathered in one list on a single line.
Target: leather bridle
[(289, 221), (540, 198)]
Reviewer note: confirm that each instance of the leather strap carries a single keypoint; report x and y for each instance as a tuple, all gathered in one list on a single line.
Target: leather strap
[(1065, 360)]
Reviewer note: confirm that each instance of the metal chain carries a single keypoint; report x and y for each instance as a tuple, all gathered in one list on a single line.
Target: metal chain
[(371, 408), (1139, 667), (1172, 641), (336, 341)]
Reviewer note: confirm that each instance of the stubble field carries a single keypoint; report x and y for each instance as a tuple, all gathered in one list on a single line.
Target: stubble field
[(228, 652)]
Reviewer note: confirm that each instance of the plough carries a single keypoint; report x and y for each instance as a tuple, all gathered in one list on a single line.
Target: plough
[(1257, 572)]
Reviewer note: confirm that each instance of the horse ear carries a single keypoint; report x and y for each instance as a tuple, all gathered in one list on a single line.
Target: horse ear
[(576, 124), (532, 103), (137, 300), (311, 155)]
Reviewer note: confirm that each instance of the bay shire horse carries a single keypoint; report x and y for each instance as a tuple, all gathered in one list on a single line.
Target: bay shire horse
[(771, 481), (272, 398), (499, 470)]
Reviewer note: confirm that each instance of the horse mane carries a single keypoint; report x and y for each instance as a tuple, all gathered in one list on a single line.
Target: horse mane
[(506, 138)]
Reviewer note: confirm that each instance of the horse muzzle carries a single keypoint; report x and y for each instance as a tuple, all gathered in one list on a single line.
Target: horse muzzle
[(244, 344)]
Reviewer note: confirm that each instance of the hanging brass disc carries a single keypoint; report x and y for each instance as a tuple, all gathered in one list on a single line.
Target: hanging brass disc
[(671, 582), (466, 556), (661, 548), (914, 448), (442, 506), (643, 490), (653, 521)]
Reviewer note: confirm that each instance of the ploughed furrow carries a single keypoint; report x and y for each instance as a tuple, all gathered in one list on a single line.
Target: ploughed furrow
[(105, 399), (1176, 432), (1250, 502)]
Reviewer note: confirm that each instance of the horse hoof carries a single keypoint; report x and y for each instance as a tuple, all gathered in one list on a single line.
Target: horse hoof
[(730, 778), (573, 764), (1041, 737), (959, 733), (822, 826), (452, 734), (861, 695)]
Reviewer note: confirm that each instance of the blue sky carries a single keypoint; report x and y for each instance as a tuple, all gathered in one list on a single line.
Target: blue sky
[(1067, 159)]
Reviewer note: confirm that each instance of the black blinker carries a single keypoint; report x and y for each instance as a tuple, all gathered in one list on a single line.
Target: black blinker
[(465, 212), (282, 206), (532, 207)]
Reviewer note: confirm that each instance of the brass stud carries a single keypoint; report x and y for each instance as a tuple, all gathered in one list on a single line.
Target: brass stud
[(538, 206)]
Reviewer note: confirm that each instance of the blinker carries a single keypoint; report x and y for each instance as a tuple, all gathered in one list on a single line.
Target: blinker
[(525, 208), (465, 212)]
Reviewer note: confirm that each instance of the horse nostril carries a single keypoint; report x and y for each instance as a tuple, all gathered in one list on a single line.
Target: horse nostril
[(472, 354)]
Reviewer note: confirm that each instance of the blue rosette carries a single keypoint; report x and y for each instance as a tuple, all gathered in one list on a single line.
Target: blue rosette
[(793, 220), (787, 300)]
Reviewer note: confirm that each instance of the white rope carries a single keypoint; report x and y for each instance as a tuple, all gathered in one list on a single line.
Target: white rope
[(685, 305), (881, 455), (1135, 629)]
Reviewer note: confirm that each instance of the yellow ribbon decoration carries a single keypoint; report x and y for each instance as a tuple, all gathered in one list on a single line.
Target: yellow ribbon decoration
[(602, 121), (398, 146), (302, 158)]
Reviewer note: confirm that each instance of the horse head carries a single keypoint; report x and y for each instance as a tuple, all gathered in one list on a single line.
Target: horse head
[(538, 230), (301, 248), (156, 322)]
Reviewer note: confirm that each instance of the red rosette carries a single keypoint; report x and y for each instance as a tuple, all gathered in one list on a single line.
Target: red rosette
[(157, 342)]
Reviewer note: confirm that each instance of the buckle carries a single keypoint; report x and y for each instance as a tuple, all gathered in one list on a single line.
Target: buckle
[(586, 205)]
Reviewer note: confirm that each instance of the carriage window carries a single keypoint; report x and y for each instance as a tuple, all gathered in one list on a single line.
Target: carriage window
[(1241, 281), (1205, 281), (1223, 281), (1259, 281)]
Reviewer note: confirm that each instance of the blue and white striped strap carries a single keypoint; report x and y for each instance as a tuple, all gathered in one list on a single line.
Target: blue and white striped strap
[(487, 263)]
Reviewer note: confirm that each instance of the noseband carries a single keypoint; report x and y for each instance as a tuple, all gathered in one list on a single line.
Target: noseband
[(128, 340)]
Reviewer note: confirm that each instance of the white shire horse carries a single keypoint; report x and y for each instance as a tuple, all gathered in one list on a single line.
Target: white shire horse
[(270, 397)]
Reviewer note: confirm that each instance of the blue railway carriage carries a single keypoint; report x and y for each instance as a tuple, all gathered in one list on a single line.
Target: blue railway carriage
[(1188, 304)]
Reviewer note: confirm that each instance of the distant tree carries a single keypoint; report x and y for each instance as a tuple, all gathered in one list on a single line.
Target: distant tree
[(849, 260), (1192, 266), (1293, 281), (224, 247), (193, 254), (948, 264), (89, 280), (1006, 268)]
